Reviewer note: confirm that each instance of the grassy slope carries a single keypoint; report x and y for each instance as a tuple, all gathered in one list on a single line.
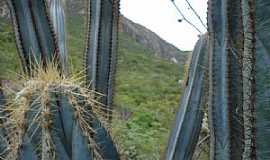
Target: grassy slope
[(147, 91), (147, 94)]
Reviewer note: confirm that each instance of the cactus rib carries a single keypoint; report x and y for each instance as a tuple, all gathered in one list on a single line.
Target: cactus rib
[(185, 133), (36, 40), (101, 49)]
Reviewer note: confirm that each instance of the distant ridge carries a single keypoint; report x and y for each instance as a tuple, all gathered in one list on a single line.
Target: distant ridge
[(151, 40)]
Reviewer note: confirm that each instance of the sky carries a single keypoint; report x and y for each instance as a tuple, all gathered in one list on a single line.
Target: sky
[(161, 17)]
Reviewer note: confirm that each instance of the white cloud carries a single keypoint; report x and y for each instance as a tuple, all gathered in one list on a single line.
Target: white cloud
[(161, 17)]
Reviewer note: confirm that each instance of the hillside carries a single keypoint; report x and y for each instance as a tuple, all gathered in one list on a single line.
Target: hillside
[(147, 95), (151, 40)]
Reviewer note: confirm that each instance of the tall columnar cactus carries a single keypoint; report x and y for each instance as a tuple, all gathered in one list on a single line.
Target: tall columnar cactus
[(53, 120), (101, 48), (225, 52), (60, 120), (186, 131), (218, 102), (36, 41), (52, 117)]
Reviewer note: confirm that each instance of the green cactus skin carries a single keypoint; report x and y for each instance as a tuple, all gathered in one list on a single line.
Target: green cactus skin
[(58, 19), (218, 108), (185, 134), (27, 150), (101, 49), (262, 71), (55, 131), (38, 43), (36, 40), (225, 110)]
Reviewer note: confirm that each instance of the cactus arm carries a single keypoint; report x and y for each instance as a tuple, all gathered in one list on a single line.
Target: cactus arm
[(225, 59), (104, 53), (185, 134), (58, 19), (94, 8), (26, 38), (100, 57), (114, 51), (44, 29), (262, 27), (36, 40)]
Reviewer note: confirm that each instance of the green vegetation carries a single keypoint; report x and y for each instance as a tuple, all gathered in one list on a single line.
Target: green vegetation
[(147, 90), (9, 61), (147, 94)]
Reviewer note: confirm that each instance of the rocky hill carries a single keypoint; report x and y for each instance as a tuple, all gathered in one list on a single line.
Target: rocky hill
[(151, 40)]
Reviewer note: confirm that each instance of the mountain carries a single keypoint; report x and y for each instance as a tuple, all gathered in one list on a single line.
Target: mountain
[(151, 40)]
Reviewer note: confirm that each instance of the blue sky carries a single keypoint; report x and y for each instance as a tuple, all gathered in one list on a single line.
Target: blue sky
[(161, 17)]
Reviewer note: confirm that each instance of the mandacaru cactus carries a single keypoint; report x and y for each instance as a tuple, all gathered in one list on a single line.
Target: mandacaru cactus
[(36, 41), (225, 33), (238, 56), (101, 48), (52, 116), (186, 131), (55, 117)]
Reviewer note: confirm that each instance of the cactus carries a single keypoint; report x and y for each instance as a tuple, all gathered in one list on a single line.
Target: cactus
[(36, 40), (225, 52), (262, 74), (58, 19), (48, 120), (185, 133), (218, 102), (101, 48), (52, 117)]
